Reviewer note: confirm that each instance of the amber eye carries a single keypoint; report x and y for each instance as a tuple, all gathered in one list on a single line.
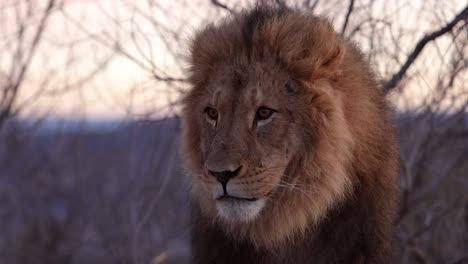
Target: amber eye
[(211, 113), (263, 113)]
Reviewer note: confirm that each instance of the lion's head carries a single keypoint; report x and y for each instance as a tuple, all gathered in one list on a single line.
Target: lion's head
[(265, 136)]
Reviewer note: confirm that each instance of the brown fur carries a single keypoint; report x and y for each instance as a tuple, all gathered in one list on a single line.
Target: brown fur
[(326, 162)]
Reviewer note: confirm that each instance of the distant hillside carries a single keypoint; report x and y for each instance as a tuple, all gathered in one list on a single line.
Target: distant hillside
[(116, 193), (92, 196)]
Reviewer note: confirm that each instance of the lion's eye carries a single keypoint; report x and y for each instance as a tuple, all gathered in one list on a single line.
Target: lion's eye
[(264, 113), (211, 113)]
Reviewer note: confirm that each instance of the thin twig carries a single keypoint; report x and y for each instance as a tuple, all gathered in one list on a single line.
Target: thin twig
[(221, 5), (396, 78), (348, 15)]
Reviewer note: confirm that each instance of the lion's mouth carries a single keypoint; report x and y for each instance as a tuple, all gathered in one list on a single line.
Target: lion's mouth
[(235, 208), (226, 197)]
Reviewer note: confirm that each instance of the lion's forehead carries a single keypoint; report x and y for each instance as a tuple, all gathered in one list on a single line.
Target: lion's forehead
[(232, 103), (245, 98), (249, 83)]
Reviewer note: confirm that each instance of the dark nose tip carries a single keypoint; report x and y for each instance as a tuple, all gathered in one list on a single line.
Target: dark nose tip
[(224, 176)]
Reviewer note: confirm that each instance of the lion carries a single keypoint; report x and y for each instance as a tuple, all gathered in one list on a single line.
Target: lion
[(288, 142)]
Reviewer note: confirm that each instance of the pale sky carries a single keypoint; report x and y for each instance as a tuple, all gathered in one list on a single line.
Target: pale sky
[(124, 88)]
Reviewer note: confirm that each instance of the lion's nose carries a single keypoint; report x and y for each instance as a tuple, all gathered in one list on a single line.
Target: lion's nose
[(224, 176)]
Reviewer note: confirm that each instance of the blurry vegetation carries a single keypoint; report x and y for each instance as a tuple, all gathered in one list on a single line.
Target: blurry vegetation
[(80, 192)]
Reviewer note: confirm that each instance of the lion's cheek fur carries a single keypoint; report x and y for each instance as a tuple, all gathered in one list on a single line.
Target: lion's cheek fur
[(322, 180)]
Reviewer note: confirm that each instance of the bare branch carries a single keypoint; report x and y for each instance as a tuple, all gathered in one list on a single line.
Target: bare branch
[(221, 5), (14, 82), (281, 3), (105, 41), (396, 78), (348, 15), (306, 4)]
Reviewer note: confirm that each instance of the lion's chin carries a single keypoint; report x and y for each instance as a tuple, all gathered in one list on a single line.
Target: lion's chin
[(239, 211)]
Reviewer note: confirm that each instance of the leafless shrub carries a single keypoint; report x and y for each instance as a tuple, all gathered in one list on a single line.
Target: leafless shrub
[(116, 195)]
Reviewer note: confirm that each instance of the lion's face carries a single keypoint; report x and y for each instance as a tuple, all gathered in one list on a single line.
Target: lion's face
[(246, 143), (265, 135)]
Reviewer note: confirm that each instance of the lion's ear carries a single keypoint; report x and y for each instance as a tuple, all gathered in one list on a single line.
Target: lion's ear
[(335, 58), (209, 47), (330, 51), (318, 52)]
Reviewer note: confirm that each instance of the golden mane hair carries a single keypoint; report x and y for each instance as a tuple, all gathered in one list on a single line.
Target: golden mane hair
[(338, 200)]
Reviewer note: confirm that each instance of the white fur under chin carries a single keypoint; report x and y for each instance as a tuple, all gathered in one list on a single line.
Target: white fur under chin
[(242, 211)]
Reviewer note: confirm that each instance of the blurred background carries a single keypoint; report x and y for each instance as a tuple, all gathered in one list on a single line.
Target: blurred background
[(89, 123)]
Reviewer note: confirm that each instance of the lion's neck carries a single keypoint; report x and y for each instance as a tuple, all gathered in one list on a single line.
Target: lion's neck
[(347, 235)]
